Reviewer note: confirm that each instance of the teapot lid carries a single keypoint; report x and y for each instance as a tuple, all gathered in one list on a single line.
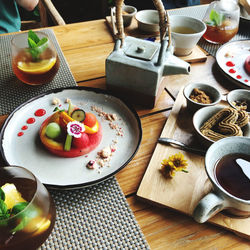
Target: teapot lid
[(140, 49)]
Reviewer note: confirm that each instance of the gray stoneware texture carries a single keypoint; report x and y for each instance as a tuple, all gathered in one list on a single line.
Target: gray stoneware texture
[(13, 92), (199, 12), (96, 217)]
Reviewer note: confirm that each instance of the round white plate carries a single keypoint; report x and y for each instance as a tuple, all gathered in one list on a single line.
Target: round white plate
[(57, 172), (236, 52)]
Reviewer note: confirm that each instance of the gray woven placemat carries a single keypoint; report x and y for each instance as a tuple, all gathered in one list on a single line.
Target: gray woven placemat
[(199, 12), (13, 91), (96, 217)]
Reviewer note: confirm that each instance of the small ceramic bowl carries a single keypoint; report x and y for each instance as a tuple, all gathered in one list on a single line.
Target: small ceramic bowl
[(211, 91), (202, 115), (148, 20), (237, 96), (128, 14)]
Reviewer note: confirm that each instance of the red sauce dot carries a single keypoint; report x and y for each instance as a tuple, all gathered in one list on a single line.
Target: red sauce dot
[(40, 112), (20, 134), (24, 127), (232, 71), (238, 76), (230, 64), (245, 80), (31, 120)]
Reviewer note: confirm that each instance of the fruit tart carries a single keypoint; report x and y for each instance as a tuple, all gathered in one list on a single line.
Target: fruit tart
[(70, 133)]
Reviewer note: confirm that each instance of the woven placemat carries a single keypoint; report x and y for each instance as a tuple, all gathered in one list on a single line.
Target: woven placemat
[(96, 217), (199, 12), (13, 91)]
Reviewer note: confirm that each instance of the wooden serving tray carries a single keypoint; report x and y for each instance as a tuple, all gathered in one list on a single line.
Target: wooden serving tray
[(184, 190), (197, 55)]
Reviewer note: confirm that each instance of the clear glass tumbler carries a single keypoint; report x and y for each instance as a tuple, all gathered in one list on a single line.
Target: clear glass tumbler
[(27, 211), (222, 20), (34, 62)]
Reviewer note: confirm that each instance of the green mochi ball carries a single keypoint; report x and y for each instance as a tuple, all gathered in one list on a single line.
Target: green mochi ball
[(53, 130)]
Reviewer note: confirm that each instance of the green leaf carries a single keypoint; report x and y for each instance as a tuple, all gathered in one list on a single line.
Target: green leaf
[(32, 35), (2, 195), (31, 43), (3, 208), (19, 207), (216, 17), (42, 41)]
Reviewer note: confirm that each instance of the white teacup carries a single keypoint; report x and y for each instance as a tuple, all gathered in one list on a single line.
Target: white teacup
[(186, 32), (221, 198)]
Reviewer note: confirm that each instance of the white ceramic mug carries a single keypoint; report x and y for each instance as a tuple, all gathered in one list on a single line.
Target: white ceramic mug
[(220, 199), (184, 43)]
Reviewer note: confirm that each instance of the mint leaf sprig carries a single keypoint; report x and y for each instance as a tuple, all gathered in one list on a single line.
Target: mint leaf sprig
[(216, 18), (6, 213), (36, 45)]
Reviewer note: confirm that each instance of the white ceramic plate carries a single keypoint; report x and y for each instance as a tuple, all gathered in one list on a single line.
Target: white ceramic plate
[(236, 52), (27, 150)]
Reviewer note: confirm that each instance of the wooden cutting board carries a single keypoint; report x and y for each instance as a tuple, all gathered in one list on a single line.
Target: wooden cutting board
[(184, 190)]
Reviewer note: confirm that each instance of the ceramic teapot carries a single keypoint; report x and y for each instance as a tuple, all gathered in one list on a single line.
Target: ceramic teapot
[(135, 68)]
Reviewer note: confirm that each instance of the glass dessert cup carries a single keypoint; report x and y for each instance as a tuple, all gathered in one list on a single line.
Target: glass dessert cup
[(222, 20), (34, 65), (30, 227)]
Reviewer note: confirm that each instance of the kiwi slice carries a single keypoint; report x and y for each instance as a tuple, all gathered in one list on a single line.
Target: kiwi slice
[(78, 115)]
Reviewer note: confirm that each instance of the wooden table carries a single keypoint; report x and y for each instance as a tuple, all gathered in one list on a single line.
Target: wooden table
[(86, 46)]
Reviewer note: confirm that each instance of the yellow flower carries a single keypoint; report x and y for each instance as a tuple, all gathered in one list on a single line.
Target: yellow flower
[(178, 161), (173, 163)]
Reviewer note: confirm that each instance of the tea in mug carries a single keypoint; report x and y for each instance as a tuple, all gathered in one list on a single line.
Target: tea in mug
[(231, 177), (183, 30)]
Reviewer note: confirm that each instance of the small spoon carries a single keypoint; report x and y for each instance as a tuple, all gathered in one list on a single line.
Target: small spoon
[(245, 166), (181, 145)]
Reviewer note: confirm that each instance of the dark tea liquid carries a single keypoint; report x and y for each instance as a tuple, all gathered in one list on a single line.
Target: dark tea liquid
[(44, 210), (33, 77), (231, 177)]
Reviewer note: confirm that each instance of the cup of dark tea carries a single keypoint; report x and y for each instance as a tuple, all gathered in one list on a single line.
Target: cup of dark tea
[(34, 58), (227, 164), (27, 211), (186, 32)]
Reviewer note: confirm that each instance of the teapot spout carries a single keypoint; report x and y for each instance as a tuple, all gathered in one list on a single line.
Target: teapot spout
[(174, 65)]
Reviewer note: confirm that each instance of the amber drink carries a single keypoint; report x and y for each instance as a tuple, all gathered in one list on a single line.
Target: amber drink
[(30, 214), (222, 20), (34, 63)]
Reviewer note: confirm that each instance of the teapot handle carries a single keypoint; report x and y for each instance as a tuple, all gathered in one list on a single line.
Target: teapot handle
[(163, 21)]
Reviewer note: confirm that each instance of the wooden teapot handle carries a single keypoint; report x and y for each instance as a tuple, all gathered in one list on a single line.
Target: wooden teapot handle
[(163, 20)]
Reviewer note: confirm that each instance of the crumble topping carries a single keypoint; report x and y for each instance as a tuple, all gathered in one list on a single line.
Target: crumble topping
[(111, 118)]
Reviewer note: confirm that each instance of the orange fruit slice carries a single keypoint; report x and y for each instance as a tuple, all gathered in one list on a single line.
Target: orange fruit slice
[(37, 67)]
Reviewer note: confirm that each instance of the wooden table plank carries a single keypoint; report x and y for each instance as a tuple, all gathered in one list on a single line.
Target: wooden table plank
[(130, 177), (86, 34), (88, 62), (167, 229)]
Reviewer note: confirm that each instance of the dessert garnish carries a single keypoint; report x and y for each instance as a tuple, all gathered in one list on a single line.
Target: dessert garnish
[(227, 122), (173, 164), (200, 96), (71, 133)]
